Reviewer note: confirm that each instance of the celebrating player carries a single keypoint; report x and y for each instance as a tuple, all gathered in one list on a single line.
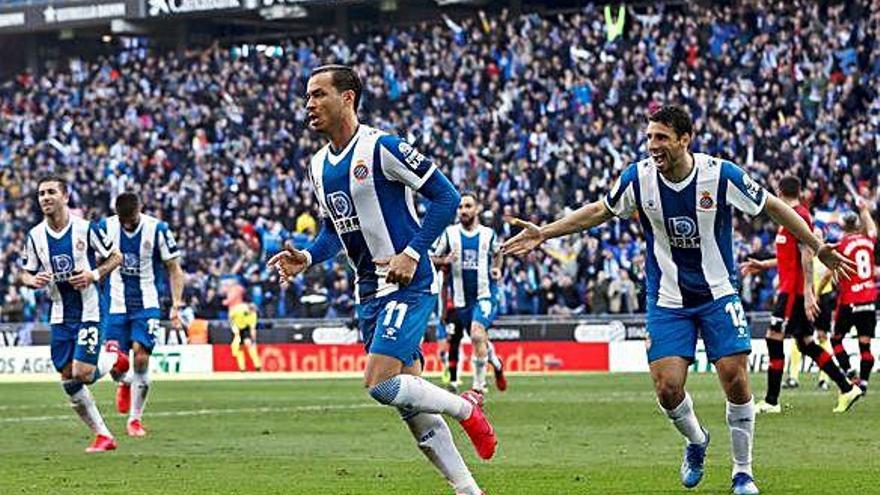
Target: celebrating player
[(471, 250), (796, 308), (60, 255), (685, 203), (857, 295), (134, 290), (363, 180)]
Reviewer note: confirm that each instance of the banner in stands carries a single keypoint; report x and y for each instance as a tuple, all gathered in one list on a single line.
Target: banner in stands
[(66, 14), (517, 356), (167, 359), (630, 356)]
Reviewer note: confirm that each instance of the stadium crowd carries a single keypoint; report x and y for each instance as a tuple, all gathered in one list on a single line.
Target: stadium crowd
[(535, 113)]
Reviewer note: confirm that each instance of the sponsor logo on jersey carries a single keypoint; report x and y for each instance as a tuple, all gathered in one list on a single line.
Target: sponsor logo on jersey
[(410, 155), (651, 205), (342, 212), (752, 187), (706, 201), (683, 233), (469, 259), (62, 267), (131, 264)]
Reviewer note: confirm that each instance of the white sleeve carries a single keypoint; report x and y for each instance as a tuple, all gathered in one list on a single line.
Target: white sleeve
[(30, 262)]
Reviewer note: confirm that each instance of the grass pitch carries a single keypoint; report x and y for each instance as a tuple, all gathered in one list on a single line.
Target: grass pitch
[(558, 435)]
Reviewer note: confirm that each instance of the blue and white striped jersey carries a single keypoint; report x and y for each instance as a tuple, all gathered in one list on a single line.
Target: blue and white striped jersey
[(74, 249), (470, 274), (141, 280), (366, 192), (687, 226)]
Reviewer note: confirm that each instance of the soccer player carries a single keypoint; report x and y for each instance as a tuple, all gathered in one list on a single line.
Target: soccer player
[(857, 295), (796, 308), (685, 203), (243, 323), (362, 179), (149, 257), (471, 251), (61, 255)]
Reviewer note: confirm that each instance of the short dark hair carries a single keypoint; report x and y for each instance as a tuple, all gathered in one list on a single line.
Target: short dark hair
[(53, 178), (850, 221), (790, 186), (675, 117), (344, 79), (127, 204), (471, 193)]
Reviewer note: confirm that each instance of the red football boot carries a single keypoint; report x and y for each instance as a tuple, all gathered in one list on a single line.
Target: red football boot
[(102, 444), (136, 428), (120, 367), (477, 427), (500, 379), (123, 398)]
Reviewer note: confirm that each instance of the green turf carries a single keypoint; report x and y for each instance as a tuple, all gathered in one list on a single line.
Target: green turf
[(558, 435)]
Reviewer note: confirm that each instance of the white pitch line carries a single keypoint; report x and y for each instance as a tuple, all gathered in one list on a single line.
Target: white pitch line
[(208, 412)]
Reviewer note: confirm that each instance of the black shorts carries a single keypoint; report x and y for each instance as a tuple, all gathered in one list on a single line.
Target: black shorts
[(826, 309), (244, 334), (790, 317), (861, 316)]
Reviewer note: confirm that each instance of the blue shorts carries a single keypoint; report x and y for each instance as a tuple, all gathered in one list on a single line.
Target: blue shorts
[(482, 311), (75, 342), (721, 323), (125, 329), (394, 325)]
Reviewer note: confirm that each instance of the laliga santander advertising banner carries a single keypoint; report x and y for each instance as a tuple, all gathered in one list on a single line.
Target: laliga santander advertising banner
[(348, 358)]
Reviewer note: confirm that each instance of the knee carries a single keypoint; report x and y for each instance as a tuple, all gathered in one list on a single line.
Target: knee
[(479, 336), (803, 343), (141, 360), (82, 375), (670, 392), (384, 392)]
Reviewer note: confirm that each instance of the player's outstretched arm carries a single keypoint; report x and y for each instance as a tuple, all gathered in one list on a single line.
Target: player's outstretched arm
[(867, 218), (752, 266), (532, 236), (785, 215)]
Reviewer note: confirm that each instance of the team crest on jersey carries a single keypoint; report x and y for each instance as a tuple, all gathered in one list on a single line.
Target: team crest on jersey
[(360, 171), (342, 212), (683, 232), (80, 245), (706, 201), (650, 205)]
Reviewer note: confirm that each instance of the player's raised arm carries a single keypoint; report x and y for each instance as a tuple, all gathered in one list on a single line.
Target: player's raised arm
[(868, 224)]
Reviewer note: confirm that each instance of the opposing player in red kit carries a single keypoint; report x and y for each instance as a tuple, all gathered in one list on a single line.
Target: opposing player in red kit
[(857, 295), (796, 308)]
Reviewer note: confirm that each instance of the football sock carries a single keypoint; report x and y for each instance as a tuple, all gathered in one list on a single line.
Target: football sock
[(255, 356), (140, 386), (413, 393), (741, 422), (825, 344), (493, 358), (774, 371), (685, 420), (840, 353), (84, 405), (479, 373), (794, 363), (867, 362), (239, 357), (826, 364), (444, 359), (435, 441)]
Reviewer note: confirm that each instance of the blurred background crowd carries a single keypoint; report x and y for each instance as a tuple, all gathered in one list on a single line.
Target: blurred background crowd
[(537, 114)]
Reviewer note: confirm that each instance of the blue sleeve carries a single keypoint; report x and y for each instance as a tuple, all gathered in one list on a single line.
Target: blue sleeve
[(327, 243), (444, 203), (742, 192), (98, 238), (621, 199)]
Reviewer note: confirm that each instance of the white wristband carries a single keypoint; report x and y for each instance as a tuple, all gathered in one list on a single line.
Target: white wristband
[(96, 275), (412, 253), (308, 258)]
